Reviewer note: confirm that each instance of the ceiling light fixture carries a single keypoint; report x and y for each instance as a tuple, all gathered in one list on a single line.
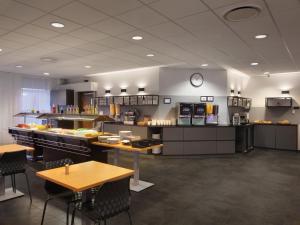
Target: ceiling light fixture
[(204, 65), (266, 73), (87, 67), (46, 74), (19, 66), (1, 49), (57, 25), (150, 55), (48, 59), (254, 64), (261, 36), (137, 38)]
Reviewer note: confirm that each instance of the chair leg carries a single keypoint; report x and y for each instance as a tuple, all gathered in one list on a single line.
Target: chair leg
[(129, 216), (73, 216), (68, 212), (28, 187), (44, 210), (13, 183)]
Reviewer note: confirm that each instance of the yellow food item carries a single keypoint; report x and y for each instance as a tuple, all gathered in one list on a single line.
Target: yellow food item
[(284, 122), (41, 127)]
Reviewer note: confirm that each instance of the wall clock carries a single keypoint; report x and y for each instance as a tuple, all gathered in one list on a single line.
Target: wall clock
[(196, 79)]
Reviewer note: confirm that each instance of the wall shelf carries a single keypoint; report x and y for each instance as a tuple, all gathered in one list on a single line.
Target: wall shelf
[(128, 100), (279, 102), (240, 102)]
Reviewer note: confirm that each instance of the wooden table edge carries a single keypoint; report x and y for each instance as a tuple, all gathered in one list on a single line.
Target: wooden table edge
[(129, 174), (126, 147)]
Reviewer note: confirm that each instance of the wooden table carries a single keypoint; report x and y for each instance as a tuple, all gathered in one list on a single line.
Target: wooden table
[(6, 194), (136, 184), (83, 176)]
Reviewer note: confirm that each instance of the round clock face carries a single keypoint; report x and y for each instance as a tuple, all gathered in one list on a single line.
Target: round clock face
[(196, 79)]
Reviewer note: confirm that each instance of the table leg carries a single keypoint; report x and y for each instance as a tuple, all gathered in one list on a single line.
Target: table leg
[(136, 184), (136, 168), (117, 157), (2, 185), (6, 194)]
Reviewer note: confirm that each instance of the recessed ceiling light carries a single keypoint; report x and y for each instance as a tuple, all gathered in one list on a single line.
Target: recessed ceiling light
[(137, 38), (261, 36), (204, 65), (150, 55), (87, 67), (19, 66), (1, 50), (57, 25), (48, 59), (254, 64), (46, 74)]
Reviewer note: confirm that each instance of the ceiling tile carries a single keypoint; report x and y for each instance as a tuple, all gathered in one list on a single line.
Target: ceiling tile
[(142, 17), (21, 38), (36, 31), (93, 47), (45, 5), (165, 30), (3, 31), (113, 7), (79, 13), (279, 5), (178, 8), (8, 23), (113, 42), (88, 34), (10, 44), (112, 26), (148, 1), (68, 40), (77, 52), (19, 11), (45, 22), (220, 3)]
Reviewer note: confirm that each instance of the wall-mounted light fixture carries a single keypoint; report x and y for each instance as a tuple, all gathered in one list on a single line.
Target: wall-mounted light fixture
[(123, 90), (107, 91), (239, 93), (232, 92), (285, 92), (141, 89)]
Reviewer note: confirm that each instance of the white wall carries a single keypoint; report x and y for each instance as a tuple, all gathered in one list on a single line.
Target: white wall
[(259, 88), (129, 79), (176, 81), (10, 98)]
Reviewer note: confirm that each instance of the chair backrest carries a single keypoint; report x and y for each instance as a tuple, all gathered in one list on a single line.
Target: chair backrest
[(112, 198), (51, 187), (13, 162)]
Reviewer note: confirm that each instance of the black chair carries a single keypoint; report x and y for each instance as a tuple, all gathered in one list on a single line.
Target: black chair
[(56, 191), (111, 199), (12, 163)]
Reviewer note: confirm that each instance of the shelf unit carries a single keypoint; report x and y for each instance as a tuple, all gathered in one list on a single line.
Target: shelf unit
[(282, 102), (240, 102), (128, 100)]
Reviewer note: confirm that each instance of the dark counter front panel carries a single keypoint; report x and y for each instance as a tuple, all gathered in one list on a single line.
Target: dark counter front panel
[(282, 137), (198, 140)]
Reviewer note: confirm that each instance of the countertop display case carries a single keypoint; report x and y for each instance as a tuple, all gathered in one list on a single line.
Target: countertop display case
[(241, 102), (283, 102)]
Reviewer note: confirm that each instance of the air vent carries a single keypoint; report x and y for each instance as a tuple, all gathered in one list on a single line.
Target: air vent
[(242, 13)]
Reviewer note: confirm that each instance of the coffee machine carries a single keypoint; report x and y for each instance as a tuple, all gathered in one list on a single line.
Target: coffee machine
[(185, 111), (199, 112), (212, 114)]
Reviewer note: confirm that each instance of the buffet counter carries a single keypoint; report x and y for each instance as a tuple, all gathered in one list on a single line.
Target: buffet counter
[(56, 145), (185, 140)]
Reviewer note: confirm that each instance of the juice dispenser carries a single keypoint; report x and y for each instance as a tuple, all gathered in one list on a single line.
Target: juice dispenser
[(199, 113), (212, 112), (185, 111)]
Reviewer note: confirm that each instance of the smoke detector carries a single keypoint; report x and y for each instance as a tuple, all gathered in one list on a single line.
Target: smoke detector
[(242, 13)]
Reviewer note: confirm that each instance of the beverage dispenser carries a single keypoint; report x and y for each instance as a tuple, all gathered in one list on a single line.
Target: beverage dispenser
[(185, 111), (199, 113), (212, 114)]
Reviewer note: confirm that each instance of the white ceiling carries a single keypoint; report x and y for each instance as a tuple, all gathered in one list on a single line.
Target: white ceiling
[(188, 32)]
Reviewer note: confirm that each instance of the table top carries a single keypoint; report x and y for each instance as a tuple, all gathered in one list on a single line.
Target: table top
[(83, 176), (127, 148), (14, 148)]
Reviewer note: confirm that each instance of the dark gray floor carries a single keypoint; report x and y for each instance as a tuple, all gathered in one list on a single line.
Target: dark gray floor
[(259, 188)]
